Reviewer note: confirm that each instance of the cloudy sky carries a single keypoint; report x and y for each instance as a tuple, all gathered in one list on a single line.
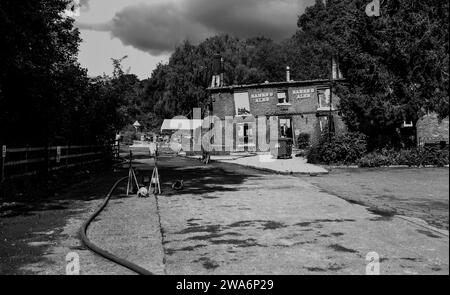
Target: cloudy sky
[(147, 31)]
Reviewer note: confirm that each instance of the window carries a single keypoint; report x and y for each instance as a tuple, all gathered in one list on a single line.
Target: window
[(283, 97), (326, 125), (324, 98), (242, 104), (285, 128)]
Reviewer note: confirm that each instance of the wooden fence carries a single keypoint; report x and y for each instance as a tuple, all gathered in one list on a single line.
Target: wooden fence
[(27, 161)]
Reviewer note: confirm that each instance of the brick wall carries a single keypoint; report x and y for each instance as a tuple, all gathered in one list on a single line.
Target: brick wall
[(265, 102), (431, 130), (303, 105), (223, 104)]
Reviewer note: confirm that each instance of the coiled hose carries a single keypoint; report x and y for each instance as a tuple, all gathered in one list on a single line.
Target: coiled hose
[(83, 230)]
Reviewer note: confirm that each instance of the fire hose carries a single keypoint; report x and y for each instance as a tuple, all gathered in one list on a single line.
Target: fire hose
[(105, 254)]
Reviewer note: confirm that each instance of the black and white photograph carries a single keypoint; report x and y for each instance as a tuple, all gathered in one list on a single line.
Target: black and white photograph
[(224, 143)]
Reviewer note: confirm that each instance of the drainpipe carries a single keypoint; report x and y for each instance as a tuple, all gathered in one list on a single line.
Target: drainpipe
[(331, 101)]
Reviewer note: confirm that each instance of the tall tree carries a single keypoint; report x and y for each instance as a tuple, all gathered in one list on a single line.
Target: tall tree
[(45, 96), (396, 64)]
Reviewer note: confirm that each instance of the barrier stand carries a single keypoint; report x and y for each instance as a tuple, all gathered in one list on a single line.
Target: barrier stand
[(132, 179), (154, 182)]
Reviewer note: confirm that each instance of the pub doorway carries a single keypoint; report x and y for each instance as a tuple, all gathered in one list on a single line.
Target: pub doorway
[(286, 127)]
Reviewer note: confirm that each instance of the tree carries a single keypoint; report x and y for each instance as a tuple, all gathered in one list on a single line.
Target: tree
[(181, 85), (396, 64), (46, 98)]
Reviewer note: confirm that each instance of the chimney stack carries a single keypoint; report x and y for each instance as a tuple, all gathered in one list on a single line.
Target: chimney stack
[(288, 74)]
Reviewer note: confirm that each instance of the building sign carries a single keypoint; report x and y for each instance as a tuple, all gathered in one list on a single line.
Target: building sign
[(261, 97), (303, 93)]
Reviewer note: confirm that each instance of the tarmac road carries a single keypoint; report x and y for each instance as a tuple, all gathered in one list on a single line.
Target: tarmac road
[(227, 220), (235, 220)]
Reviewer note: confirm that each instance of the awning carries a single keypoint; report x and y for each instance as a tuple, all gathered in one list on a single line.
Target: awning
[(181, 124)]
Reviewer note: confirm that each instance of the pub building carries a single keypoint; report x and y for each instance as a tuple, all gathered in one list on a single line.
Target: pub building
[(302, 107)]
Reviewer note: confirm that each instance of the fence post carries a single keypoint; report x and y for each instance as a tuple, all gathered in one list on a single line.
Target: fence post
[(47, 160), (67, 154), (3, 162), (26, 158), (58, 155)]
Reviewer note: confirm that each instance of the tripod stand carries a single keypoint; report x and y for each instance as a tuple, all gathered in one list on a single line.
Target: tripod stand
[(132, 179), (154, 182)]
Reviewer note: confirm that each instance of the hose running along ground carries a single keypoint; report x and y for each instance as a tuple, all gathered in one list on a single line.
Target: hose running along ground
[(105, 254)]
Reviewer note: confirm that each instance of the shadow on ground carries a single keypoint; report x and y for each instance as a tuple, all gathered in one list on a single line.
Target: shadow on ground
[(201, 179), (29, 228)]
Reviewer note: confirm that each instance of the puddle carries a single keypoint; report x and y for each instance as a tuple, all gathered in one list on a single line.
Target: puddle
[(212, 236), (207, 263), (410, 259), (315, 269), (191, 248), (318, 221), (273, 225), (237, 243), (383, 212), (339, 248), (198, 229)]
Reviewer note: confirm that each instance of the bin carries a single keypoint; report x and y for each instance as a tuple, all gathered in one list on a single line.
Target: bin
[(281, 149)]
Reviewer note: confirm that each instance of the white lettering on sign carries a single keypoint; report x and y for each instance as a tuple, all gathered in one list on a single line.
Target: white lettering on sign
[(263, 99), (303, 93), (300, 96), (4, 151), (262, 94)]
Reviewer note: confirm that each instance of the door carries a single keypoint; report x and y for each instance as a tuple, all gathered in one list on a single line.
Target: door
[(285, 127)]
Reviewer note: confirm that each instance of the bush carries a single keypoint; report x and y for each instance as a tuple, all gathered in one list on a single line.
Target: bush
[(344, 149), (303, 140), (373, 160), (416, 157)]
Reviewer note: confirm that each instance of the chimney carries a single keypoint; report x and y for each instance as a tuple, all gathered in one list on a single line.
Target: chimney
[(288, 74)]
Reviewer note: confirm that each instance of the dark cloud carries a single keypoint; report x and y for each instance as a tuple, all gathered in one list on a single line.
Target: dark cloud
[(159, 27), (276, 19)]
